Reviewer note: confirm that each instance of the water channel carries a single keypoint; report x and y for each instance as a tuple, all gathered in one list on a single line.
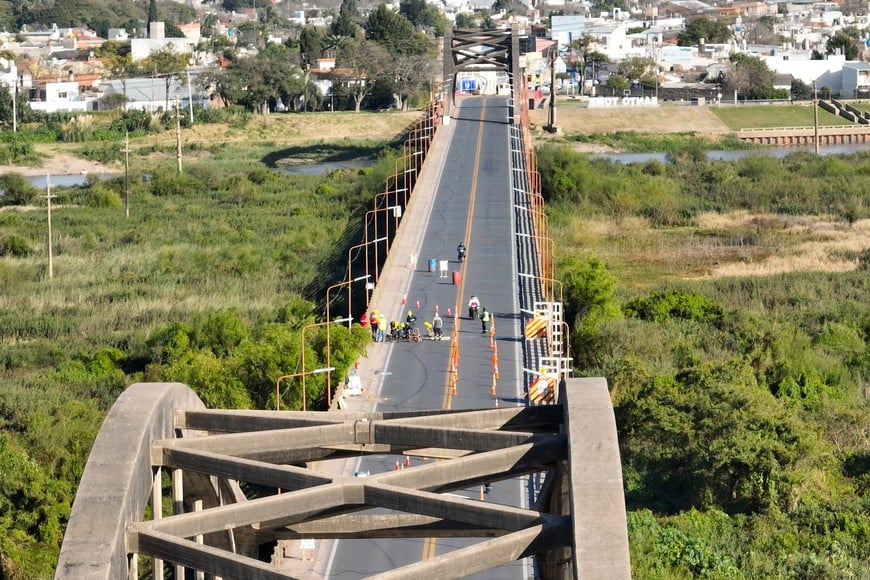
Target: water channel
[(323, 168), (737, 154)]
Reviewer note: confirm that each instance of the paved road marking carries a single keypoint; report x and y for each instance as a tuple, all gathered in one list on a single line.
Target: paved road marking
[(469, 225)]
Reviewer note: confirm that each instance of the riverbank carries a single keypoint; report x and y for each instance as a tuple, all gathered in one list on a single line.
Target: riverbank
[(61, 164)]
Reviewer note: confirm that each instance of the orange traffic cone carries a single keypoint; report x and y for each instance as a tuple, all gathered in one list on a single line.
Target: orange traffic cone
[(407, 461), (448, 312), (418, 305), (404, 299), (436, 309), (398, 467)]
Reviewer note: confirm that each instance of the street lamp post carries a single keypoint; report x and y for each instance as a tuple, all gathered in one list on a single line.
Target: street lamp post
[(349, 272), (303, 373), (385, 237), (349, 319), (328, 366)]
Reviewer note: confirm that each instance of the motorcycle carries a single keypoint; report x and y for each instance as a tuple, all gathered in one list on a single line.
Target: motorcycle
[(473, 311), (461, 255)]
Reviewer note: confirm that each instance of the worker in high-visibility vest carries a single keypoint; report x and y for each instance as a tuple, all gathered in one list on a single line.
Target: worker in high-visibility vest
[(484, 319)]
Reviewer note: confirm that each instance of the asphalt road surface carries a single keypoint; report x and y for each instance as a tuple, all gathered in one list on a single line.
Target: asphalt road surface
[(473, 203)]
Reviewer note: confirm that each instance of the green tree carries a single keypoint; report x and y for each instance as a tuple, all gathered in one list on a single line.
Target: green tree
[(711, 30), (165, 63), (360, 64), (7, 15), (589, 299), (843, 43), (609, 5), (636, 68), (311, 44), (510, 6), (749, 75), (348, 22), (800, 90), (152, 13), (467, 21), (618, 83), (22, 106), (424, 16), (409, 73), (33, 506), (16, 190), (209, 25), (211, 379), (118, 60), (394, 32), (301, 92)]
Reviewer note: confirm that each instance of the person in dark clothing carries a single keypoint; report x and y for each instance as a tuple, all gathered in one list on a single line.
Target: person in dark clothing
[(437, 326), (484, 318)]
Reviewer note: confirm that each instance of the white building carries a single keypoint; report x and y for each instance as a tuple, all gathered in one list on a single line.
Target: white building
[(62, 96), (856, 80), (825, 73)]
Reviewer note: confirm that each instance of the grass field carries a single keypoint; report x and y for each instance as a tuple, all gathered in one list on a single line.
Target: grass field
[(763, 116), (572, 117)]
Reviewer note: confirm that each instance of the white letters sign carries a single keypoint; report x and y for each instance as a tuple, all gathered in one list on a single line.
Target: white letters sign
[(602, 102)]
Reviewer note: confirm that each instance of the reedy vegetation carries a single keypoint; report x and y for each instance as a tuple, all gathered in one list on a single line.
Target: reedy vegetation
[(209, 283), (741, 403)]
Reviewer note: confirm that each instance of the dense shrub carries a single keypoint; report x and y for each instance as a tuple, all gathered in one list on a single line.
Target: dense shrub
[(18, 153), (101, 195), (15, 189), (172, 183), (233, 116), (14, 246), (662, 306)]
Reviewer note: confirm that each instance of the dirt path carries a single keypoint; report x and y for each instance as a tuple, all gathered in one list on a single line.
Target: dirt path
[(62, 164)]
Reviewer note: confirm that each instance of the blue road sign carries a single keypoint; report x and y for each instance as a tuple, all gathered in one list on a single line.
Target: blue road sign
[(468, 84)]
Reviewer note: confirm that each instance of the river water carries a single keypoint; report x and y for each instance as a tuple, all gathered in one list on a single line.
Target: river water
[(38, 181), (738, 154)]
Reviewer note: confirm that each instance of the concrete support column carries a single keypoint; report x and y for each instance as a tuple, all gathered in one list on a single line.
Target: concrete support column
[(157, 513), (178, 505)]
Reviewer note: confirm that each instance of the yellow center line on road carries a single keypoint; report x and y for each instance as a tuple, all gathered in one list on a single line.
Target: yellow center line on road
[(429, 544), (447, 401)]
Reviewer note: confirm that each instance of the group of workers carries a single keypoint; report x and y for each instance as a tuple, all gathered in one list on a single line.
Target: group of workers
[(399, 330)]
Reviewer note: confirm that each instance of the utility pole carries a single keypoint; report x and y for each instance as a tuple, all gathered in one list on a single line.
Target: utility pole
[(127, 174), (14, 103), (177, 134), (816, 117), (189, 97), (48, 198), (551, 117)]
